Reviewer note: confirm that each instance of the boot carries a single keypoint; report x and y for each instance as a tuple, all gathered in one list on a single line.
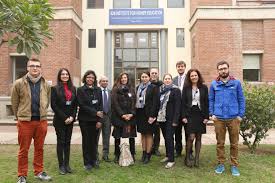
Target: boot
[(62, 170), (143, 156), (147, 158), (196, 164), (116, 159)]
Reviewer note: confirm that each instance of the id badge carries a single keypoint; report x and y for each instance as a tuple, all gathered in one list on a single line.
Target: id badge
[(68, 102), (94, 101), (140, 99)]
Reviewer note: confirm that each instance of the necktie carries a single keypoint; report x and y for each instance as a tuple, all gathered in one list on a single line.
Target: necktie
[(179, 79), (105, 101)]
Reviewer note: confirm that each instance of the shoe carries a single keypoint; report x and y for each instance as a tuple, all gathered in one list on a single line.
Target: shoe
[(68, 169), (188, 162), (235, 171), (116, 159), (191, 157), (43, 176), (22, 179), (62, 170), (96, 164), (220, 169), (197, 162), (147, 158), (143, 156), (169, 165), (164, 160), (88, 167), (156, 152), (106, 159), (133, 156)]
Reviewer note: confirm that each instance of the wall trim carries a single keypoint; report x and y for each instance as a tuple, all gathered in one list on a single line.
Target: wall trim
[(68, 13)]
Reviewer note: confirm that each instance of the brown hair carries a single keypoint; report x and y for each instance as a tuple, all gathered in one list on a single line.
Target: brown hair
[(222, 63), (188, 82), (181, 62), (118, 80)]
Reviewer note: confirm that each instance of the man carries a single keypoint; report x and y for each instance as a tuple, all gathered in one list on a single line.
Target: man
[(30, 100), (179, 81), (106, 123), (154, 78), (227, 108)]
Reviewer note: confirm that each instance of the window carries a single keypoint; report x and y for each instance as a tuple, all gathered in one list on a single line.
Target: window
[(92, 38), (175, 3), (251, 67), (149, 3), (19, 66), (95, 4), (122, 3), (77, 48), (180, 37)]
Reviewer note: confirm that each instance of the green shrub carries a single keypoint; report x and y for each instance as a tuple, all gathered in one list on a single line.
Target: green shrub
[(260, 114)]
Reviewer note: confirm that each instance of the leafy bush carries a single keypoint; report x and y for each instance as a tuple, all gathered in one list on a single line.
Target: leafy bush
[(260, 114)]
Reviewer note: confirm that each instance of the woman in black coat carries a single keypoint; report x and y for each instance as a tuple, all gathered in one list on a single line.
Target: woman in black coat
[(168, 116), (64, 105), (195, 112), (146, 113), (90, 117), (123, 113)]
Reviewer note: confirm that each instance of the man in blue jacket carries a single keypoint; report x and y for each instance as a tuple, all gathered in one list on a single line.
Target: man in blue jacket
[(227, 108)]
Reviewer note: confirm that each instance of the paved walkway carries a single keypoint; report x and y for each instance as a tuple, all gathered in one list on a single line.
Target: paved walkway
[(8, 135)]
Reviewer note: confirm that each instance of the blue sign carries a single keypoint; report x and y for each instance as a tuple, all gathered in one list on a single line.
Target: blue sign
[(136, 16)]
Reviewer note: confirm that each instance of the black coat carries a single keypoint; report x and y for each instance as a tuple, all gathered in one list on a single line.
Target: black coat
[(59, 107), (90, 102), (187, 101), (151, 101), (173, 107), (123, 102)]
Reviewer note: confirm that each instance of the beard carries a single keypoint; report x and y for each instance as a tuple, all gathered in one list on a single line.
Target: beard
[(224, 75)]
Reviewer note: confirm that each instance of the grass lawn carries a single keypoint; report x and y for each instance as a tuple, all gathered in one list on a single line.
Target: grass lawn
[(259, 167)]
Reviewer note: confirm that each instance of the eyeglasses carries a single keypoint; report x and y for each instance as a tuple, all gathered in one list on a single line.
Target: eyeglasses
[(34, 66)]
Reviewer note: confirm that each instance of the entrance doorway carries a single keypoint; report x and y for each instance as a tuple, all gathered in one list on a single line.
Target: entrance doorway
[(134, 53)]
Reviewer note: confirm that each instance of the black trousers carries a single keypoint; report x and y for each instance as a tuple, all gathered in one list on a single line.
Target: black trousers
[(178, 138), (132, 146), (168, 133), (89, 142), (63, 145), (156, 139)]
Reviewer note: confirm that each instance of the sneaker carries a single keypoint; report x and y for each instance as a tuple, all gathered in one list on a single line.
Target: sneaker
[(235, 171), (164, 160), (220, 169), (43, 176), (22, 179), (156, 153), (169, 165)]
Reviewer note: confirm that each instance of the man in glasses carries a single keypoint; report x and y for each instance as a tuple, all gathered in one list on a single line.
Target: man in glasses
[(30, 100), (227, 108)]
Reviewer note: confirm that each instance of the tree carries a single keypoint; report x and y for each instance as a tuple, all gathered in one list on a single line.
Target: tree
[(26, 22), (259, 116)]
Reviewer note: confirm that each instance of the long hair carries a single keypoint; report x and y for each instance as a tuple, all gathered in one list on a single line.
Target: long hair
[(118, 81), (88, 72), (144, 72), (188, 82), (59, 81)]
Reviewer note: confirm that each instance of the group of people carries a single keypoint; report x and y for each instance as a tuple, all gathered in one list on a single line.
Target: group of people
[(169, 105)]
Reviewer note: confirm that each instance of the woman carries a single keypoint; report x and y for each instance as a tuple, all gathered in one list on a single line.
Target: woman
[(64, 105), (146, 112), (123, 113), (194, 112), (90, 115), (168, 116)]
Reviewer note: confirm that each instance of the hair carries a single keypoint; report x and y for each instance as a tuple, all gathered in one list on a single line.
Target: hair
[(33, 59), (222, 63), (181, 62), (188, 82), (167, 74), (154, 68), (118, 80), (69, 82), (88, 72), (145, 72), (102, 78)]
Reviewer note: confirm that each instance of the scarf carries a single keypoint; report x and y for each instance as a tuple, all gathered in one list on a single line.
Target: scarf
[(68, 92), (141, 93), (33, 79), (165, 91)]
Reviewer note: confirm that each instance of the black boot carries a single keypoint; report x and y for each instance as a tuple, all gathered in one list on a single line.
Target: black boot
[(133, 156), (147, 158), (67, 159), (143, 156), (62, 170), (116, 159)]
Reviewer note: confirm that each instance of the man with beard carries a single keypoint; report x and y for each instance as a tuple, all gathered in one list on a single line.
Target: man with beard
[(227, 108), (154, 78)]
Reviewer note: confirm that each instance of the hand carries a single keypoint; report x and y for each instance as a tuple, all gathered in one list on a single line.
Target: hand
[(98, 125), (68, 121), (151, 120), (205, 121), (99, 114), (239, 118), (184, 120), (174, 124), (124, 116), (130, 116), (213, 118)]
